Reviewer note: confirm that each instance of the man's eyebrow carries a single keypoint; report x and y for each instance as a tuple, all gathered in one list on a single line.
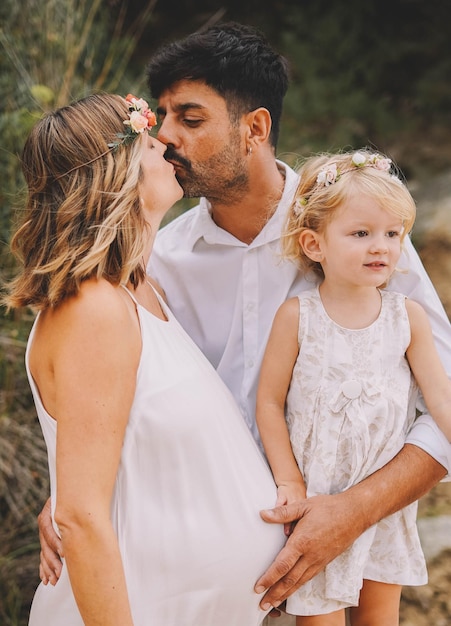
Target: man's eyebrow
[(181, 108)]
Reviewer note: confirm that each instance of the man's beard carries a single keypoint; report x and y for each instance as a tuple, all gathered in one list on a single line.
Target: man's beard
[(222, 177)]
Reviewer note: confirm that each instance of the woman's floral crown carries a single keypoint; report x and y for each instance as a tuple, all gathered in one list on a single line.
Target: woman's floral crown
[(330, 174), (140, 118)]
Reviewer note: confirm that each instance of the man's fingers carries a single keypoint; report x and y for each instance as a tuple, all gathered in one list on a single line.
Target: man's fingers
[(47, 535), (278, 612), (279, 568), (321, 532), (276, 575), (284, 514), (51, 548), (49, 573), (42, 575), (50, 565), (288, 584)]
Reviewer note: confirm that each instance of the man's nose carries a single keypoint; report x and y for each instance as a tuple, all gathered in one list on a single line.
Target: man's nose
[(164, 133)]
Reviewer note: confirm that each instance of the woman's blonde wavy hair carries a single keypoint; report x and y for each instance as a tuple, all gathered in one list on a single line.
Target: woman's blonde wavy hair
[(83, 216), (314, 205)]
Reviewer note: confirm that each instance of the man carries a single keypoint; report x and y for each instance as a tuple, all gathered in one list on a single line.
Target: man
[(220, 97)]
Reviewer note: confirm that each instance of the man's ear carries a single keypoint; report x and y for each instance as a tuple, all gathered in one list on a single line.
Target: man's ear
[(310, 242), (258, 127)]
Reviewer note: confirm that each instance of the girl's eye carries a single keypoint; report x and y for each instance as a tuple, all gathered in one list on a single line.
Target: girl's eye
[(360, 233), (392, 234)]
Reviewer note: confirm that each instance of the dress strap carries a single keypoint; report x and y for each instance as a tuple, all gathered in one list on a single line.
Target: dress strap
[(164, 307), (130, 294)]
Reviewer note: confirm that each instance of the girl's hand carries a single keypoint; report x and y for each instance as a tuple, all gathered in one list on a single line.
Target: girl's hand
[(287, 493)]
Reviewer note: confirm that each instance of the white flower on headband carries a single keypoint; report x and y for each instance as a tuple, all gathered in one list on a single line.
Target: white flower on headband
[(373, 160), (328, 175), (358, 159)]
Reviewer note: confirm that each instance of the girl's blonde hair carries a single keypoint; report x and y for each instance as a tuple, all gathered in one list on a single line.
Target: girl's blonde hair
[(340, 176), (82, 217)]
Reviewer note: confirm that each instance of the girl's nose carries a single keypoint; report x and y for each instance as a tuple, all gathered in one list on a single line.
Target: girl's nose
[(379, 244)]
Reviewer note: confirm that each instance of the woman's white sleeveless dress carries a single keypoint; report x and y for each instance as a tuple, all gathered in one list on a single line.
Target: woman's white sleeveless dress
[(350, 404), (189, 489)]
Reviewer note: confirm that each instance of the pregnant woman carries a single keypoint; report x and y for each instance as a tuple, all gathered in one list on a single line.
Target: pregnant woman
[(156, 482)]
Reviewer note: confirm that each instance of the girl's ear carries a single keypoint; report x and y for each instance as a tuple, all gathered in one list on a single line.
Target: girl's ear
[(310, 242)]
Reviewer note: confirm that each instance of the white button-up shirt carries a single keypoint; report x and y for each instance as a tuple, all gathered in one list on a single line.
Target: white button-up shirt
[(225, 294)]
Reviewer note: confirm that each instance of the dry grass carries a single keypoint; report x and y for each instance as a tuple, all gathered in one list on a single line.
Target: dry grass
[(23, 477)]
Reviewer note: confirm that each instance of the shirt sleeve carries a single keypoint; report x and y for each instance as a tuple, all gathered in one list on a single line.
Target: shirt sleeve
[(414, 282), (425, 434)]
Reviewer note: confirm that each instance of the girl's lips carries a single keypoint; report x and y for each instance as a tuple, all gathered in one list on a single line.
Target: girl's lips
[(375, 265)]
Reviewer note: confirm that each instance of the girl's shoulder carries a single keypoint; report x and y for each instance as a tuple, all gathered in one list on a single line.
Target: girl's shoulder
[(416, 313), (287, 315), (410, 310)]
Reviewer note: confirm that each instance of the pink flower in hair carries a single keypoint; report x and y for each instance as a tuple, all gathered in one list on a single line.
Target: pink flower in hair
[(137, 122), (382, 163), (141, 118), (328, 175)]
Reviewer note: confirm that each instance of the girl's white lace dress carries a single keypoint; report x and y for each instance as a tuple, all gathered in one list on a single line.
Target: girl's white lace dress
[(350, 404)]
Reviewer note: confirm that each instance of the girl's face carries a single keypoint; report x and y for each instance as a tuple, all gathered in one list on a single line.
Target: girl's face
[(361, 245), (158, 188)]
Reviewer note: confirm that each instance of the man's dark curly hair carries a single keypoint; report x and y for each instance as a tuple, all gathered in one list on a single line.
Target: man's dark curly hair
[(233, 59)]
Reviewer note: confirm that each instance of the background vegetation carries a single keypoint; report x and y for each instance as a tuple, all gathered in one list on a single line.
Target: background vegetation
[(373, 72)]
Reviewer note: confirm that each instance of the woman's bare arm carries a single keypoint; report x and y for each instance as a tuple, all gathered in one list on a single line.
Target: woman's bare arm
[(92, 344)]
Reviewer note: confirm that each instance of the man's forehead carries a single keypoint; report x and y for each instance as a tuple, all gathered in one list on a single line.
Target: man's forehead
[(186, 94)]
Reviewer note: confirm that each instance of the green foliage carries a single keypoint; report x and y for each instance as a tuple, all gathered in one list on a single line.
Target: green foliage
[(53, 52), (365, 72)]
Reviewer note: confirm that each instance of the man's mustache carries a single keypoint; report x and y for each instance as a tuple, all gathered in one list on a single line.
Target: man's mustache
[(171, 155)]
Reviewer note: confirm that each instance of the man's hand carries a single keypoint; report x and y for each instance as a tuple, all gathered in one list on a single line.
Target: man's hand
[(325, 528), (327, 525), (51, 548)]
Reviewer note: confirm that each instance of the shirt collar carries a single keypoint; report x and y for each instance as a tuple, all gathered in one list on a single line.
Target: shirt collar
[(203, 227)]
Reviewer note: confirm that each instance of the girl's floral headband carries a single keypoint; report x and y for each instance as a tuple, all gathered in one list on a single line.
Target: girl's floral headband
[(141, 118), (330, 174)]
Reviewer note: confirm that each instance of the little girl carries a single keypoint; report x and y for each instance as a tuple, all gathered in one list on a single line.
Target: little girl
[(337, 393)]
